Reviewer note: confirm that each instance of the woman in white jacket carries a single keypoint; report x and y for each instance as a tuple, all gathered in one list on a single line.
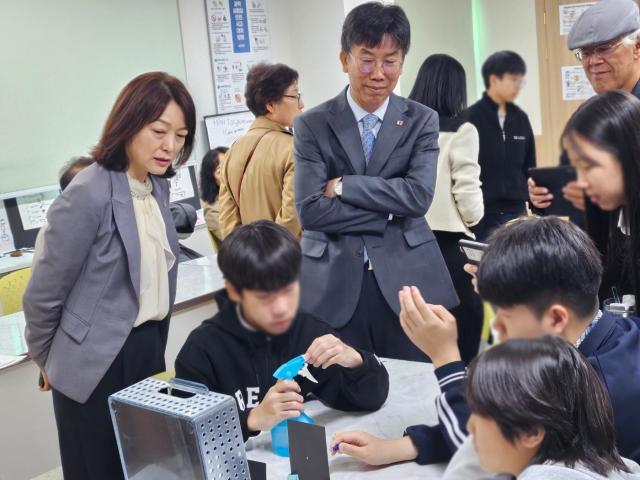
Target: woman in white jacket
[(457, 202)]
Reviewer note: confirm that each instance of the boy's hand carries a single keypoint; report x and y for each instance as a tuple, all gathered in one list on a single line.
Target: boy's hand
[(373, 450), (539, 196), (472, 270), (430, 327), (574, 192), (329, 350), (281, 402)]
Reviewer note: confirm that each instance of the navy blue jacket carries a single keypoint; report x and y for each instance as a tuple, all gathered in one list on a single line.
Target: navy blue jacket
[(612, 348)]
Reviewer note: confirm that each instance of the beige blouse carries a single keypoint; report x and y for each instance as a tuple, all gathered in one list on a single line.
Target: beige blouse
[(156, 257)]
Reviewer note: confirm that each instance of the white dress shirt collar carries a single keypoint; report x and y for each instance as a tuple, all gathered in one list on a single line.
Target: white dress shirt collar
[(360, 112)]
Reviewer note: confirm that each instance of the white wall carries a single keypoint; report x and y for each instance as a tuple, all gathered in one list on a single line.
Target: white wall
[(511, 25), (439, 26)]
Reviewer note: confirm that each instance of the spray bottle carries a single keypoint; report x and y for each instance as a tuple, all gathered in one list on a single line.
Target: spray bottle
[(280, 433)]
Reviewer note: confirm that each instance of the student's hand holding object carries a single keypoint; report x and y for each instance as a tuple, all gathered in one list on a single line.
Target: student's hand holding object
[(329, 350), (472, 270), (373, 450), (540, 197), (281, 402), (574, 193), (430, 327)]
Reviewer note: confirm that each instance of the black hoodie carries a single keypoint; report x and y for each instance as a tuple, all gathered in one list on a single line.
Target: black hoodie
[(228, 358), (505, 155)]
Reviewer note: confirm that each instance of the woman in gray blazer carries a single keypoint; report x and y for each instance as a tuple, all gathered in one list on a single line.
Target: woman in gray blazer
[(98, 304)]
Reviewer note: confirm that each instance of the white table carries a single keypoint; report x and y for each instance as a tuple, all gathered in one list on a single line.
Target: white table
[(9, 264), (412, 391)]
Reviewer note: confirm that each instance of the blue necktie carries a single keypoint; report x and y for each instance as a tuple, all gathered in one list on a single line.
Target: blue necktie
[(368, 141), (368, 138)]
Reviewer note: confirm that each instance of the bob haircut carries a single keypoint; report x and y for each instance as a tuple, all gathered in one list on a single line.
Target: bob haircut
[(261, 255), (267, 83), (368, 23), (208, 187), (546, 383), (441, 84), (539, 261), (610, 121), (141, 102)]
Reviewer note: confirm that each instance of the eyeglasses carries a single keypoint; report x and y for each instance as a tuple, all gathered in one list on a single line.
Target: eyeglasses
[(602, 50), (298, 97), (368, 65)]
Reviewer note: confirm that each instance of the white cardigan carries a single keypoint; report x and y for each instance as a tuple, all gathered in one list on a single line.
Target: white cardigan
[(457, 202)]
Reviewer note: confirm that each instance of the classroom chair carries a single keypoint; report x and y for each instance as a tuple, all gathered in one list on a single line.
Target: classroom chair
[(12, 287)]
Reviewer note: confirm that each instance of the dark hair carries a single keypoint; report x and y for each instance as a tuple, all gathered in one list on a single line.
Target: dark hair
[(368, 23), (261, 255), (546, 383), (267, 83), (441, 84), (538, 261), (500, 63), (209, 189), (71, 168), (142, 101), (610, 121)]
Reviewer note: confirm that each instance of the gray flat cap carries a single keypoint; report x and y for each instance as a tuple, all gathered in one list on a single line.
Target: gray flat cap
[(604, 21)]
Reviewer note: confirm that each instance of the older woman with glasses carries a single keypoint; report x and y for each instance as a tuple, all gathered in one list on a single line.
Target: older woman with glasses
[(257, 176)]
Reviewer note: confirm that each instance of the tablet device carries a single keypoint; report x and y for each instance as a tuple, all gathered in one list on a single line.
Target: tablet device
[(308, 455), (473, 250), (554, 179)]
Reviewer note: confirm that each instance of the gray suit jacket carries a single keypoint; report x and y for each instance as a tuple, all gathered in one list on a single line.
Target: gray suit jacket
[(82, 298), (399, 179)]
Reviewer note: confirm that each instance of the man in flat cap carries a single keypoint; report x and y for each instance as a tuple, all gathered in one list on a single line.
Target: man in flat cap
[(605, 39)]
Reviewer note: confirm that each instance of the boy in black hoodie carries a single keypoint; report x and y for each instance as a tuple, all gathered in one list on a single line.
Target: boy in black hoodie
[(237, 351), (507, 147)]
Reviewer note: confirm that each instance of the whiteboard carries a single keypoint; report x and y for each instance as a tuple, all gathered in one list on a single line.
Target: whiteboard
[(223, 130)]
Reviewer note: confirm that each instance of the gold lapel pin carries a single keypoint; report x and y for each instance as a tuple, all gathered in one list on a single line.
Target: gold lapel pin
[(399, 123)]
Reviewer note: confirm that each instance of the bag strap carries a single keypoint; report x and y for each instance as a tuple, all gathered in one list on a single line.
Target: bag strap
[(246, 165)]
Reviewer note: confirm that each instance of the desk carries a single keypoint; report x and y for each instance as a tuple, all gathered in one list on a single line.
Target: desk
[(412, 392), (28, 436)]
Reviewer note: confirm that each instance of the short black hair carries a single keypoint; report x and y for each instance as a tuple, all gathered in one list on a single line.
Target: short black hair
[(261, 255), (441, 84), (368, 23), (539, 261), (546, 383), (209, 189), (71, 168), (502, 62), (267, 83)]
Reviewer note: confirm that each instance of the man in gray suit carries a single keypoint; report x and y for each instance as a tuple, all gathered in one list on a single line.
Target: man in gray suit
[(365, 175)]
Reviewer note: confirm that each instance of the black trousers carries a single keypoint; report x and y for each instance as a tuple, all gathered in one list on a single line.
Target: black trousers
[(494, 218), (87, 441), (469, 314), (374, 327)]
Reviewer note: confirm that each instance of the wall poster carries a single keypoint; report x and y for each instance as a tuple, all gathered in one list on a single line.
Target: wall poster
[(238, 39)]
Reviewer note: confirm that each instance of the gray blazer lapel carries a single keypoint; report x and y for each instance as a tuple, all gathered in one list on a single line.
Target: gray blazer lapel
[(126, 223), (344, 125), (393, 126)]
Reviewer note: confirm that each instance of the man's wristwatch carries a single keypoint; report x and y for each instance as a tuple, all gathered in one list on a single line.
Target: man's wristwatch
[(337, 188)]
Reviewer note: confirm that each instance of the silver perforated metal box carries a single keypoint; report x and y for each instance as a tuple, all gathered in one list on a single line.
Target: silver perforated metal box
[(177, 430)]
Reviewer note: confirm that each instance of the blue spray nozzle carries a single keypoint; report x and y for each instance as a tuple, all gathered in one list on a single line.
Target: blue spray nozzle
[(294, 367)]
